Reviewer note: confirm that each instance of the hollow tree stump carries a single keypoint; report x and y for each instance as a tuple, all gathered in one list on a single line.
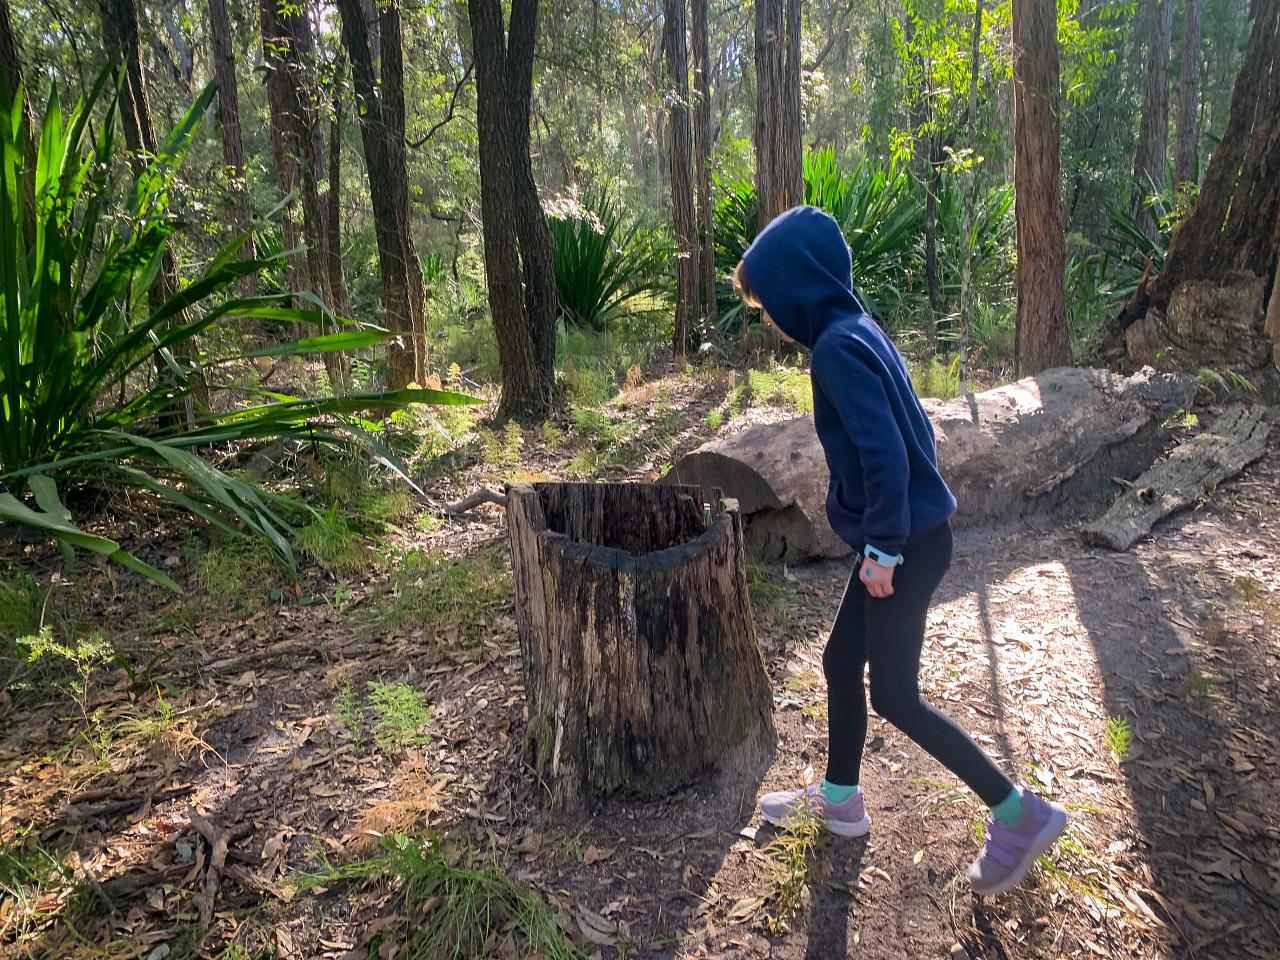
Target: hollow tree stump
[(641, 666)]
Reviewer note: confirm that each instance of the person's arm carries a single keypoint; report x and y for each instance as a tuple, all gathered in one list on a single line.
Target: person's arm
[(858, 395)]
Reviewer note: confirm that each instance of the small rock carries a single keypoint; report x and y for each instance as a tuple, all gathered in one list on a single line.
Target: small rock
[(958, 952)]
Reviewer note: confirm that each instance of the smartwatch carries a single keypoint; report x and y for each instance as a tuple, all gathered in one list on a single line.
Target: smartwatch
[(884, 559)]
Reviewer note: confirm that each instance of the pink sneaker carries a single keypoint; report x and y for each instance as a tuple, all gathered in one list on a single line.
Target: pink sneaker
[(848, 819), (1012, 848)]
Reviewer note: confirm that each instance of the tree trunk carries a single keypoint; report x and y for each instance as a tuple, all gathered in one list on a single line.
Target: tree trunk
[(1153, 135), (527, 377), (779, 163), (932, 270), (970, 182), (392, 42), (688, 306), (341, 297), (1047, 445), (1041, 331), (222, 54), (1187, 136), (702, 154), (288, 54), (373, 134), (537, 251), (120, 31), (641, 667), (1232, 236)]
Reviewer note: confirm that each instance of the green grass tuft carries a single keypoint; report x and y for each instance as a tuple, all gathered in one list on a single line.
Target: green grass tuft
[(1119, 736), (400, 716), (237, 570), (333, 543), (453, 910), (451, 599)]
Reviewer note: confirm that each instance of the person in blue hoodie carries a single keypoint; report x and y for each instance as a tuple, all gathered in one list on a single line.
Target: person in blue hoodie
[(887, 500)]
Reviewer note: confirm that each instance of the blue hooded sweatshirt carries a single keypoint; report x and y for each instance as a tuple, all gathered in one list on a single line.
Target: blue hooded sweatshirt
[(879, 443)]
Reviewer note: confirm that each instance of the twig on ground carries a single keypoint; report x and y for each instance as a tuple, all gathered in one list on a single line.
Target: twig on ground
[(219, 841), (473, 500)]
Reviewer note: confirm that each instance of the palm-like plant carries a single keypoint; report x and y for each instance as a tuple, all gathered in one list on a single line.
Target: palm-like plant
[(605, 267), (92, 357)]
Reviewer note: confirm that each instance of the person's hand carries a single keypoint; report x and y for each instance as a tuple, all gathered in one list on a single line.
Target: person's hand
[(877, 579)]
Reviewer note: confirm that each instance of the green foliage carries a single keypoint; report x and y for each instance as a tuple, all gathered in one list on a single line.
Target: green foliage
[(237, 570), (400, 716), (452, 910), (606, 266), (331, 541), (1119, 736), (932, 379), (880, 209), (715, 419), (782, 386), (1220, 383), (102, 379), (454, 599), (790, 856)]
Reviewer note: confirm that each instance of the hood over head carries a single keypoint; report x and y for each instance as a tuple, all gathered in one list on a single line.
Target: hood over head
[(799, 268)]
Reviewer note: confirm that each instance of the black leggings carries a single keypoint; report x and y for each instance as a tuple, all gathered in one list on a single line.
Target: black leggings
[(888, 634)]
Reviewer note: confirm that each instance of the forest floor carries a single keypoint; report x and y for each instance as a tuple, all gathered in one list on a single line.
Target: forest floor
[(222, 796)]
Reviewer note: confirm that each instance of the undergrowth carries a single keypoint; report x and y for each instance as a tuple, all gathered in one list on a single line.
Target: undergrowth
[(451, 909), (452, 599)]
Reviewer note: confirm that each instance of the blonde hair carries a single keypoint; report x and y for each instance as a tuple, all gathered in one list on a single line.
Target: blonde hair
[(743, 286)]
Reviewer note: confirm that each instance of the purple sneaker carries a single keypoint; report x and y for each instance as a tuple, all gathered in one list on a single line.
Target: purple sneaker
[(1012, 848), (848, 819)]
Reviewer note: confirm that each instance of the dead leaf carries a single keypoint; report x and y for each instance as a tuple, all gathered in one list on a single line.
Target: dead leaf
[(918, 857), (323, 790), (1200, 918), (595, 855), (596, 928), (745, 909)]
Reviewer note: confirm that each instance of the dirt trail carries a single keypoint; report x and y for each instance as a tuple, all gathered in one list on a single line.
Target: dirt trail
[(1036, 645)]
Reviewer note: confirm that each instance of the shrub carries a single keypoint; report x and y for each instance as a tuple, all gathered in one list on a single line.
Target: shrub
[(102, 381)]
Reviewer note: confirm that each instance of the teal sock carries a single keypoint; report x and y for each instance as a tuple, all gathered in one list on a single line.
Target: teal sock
[(1009, 810), (838, 793)]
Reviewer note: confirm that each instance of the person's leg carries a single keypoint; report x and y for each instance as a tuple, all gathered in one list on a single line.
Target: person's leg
[(843, 662), (894, 631), (838, 798)]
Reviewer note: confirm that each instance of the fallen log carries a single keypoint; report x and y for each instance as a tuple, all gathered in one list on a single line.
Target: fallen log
[(1235, 440), (1045, 443)]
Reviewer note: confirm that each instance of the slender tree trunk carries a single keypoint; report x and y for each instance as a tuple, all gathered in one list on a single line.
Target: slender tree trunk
[(287, 55), (779, 163), (392, 40), (702, 152), (932, 270), (1153, 134), (1041, 331), (1187, 135), (537, 252), (341, 302), (524, 342), (688, 307), (373, 134), (1235, 226), (224, 71), (119, 19), (970, 190)]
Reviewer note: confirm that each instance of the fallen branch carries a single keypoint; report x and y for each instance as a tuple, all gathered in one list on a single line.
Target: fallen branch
[(219, 841), (114, 807), (277, 649), (473, 500), (1236, 439)]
